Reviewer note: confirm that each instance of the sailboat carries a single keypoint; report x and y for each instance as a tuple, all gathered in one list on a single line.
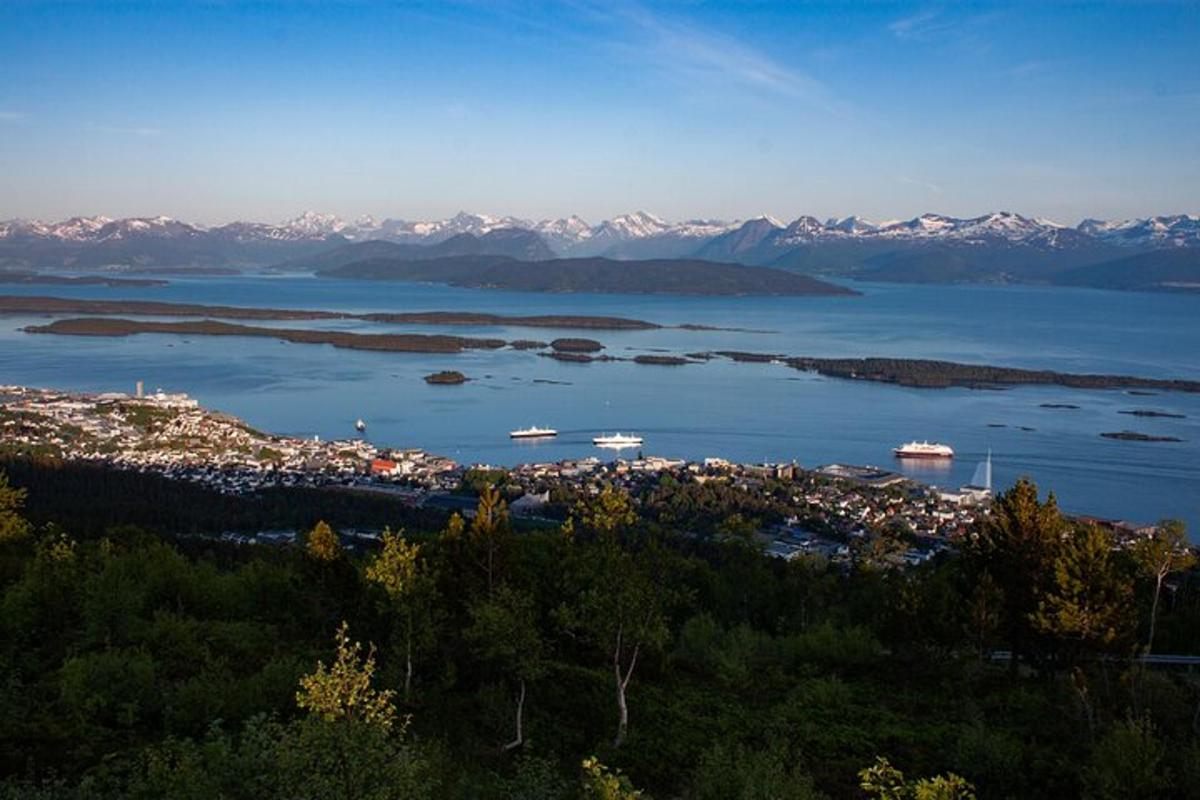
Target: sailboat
[(981, 481), (360, 426)]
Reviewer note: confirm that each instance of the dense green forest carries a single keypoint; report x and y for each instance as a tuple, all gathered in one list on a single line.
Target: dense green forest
[(609, 657)]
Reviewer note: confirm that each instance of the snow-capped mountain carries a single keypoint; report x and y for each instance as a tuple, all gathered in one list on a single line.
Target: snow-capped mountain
[(638, 225), (1177, 230), (805, 242), (1180, 230)]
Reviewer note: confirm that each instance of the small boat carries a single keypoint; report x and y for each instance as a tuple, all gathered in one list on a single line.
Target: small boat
[(360, 426), (533, 433), (617, 440), (923, 450)]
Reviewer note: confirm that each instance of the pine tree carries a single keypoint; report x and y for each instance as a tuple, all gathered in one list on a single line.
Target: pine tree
[(1087, 604), (1018, 544)]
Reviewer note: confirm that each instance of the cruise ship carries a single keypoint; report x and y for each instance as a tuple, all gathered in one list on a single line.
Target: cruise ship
[(533, 433), (923, 450), (617, 440)]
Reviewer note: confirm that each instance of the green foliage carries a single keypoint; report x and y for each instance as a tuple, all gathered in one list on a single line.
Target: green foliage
[(1087, 602), (1017, 545), (1163, 553), (343, 691), (607, 513), (137, 666), (111, 689), (395, 569), (13, 526), (504, 631), (883, 781), (619, 604), (601, 783), (1128, 764), (727, 772), (490, 537), (534, 778)]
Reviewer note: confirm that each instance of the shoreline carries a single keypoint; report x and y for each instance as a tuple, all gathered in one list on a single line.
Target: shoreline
[(174, 436), (41, 304), (909, 372), (386, 342)]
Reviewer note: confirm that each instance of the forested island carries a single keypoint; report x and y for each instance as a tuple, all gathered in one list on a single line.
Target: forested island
[(389, 342), (926, 373), (41, 278), (1134, 436), (602, 275), (1149, 413), (569, 345), (663, 361), (15, 304), (446, 378), (929, 374)]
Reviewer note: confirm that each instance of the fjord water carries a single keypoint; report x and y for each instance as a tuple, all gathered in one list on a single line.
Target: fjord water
[(739, 411)]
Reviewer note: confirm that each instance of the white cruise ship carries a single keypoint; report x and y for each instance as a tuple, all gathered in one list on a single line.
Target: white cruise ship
[(617, 440), (533, 433), (923, 450)]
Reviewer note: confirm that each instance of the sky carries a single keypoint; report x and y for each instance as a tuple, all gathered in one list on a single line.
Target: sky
[(215, 111)]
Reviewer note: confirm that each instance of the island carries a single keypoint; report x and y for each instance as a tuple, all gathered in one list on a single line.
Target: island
[(1143, 412), (576, 346), (1069, 406), (447, 377), (527, 344), (39, 278), (924, 373), (665, 361), (17, 304), (573, 358), (1134, 436), (389, 342), (678, 276)]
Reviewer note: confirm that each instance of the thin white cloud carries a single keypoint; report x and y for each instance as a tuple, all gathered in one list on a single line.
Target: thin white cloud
[(120, 130), (934, 26), (918, 26), (926, 185), (692, 53)]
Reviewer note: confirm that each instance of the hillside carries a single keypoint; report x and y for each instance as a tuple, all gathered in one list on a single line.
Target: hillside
[(1177, 269), (931, 248), (514, 243), (602, 275)]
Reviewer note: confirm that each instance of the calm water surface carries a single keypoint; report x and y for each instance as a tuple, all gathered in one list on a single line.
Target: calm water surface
[(744, 412)]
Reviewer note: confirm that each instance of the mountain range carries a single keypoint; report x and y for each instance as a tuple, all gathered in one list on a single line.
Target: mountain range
[(1001, 246)]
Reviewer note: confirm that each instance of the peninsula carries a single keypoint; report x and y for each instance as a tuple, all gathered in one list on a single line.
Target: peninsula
[(17, 304), (389, 342), (681, 276), (924, 373), (20, 277)]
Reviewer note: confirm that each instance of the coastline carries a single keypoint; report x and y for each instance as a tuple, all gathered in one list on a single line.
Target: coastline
[(909, 372)]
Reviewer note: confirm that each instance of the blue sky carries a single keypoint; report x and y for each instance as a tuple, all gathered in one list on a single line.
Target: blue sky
[(212, 111)]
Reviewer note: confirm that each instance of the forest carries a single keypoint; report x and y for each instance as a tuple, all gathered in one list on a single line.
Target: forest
[(611, 656)]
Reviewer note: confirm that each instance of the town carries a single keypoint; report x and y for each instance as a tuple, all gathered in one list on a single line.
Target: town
[(831, 511)]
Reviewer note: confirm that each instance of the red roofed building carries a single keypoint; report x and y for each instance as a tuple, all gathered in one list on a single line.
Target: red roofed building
[(384, 466)]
